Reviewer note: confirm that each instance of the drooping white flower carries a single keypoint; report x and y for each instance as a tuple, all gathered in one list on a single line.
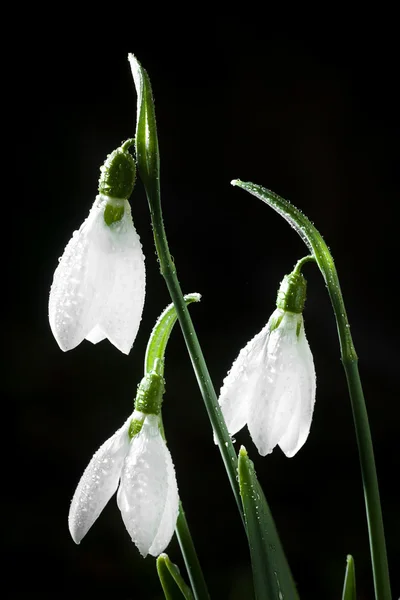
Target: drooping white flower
[(271, 386), (99, 285), (148, 492)]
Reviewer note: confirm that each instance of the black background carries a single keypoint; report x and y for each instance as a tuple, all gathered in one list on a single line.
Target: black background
[(309, 112)]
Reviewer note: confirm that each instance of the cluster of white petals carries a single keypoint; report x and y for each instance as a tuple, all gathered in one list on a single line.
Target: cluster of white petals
[(271, 386), (148, 492), (99, 285)]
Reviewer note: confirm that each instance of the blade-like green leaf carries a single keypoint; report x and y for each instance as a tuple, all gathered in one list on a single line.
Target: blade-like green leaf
[(161, 331), (349, 587), (271, 573), (171, 580)]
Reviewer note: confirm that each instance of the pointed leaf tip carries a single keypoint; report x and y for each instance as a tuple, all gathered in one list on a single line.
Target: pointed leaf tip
[(349, 586), (174, 586), (271, 573)]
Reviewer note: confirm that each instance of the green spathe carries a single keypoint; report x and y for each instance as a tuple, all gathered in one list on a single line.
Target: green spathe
[(117, 179)]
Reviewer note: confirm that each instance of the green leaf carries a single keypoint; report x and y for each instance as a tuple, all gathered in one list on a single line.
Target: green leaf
[(349, 587), (172, 583), (271, 573), (161, 331)]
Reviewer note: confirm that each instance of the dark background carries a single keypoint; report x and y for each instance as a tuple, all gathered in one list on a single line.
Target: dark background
[(309, 112)]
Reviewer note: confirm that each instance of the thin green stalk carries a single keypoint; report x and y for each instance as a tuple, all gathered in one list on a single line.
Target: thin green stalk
[(155, 360), (190, 557), (299, 265), (188, 550), (148, 161), (168, 271), (323, 257)]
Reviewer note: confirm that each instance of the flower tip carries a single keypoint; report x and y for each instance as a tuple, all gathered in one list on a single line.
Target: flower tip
[(76, 540), (234, 182), (124, 348), (143, 552), (243, 452), (75, 531)]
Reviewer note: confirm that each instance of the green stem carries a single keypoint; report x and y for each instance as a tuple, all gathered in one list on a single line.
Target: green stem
[(370, 482), (190, 557), (299, 265), (154, 361), (323, 257), (148, 161), (188, 549), (168, 271)]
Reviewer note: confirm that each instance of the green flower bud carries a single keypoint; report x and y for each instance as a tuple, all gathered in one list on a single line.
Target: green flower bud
[(118, 175), (149, 395), (292, 293)]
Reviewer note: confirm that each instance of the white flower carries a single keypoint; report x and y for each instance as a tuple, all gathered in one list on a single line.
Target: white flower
[(147, 495), (99, 285), (271, 386)]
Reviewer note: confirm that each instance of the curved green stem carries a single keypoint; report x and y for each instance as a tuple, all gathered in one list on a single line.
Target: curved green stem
[(154, 361), (147, 156), (299, 265), (323, 257), (159, 336)]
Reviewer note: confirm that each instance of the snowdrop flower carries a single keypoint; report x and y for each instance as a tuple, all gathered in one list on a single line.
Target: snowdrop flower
[(99, 285), (137, 460), (271, 385)]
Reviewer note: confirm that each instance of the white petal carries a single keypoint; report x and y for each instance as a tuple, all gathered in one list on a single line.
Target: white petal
[(98, 483), (80, 281), (148, 494), (277, 395), (122, 312), (240, 383), (299, 427), (96, 335), (99, 285)]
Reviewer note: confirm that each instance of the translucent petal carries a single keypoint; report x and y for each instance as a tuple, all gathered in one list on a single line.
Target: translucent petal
[(276, 395), (299, 427), (121, 313), (98, 483), (168, 521), (148, 494), (240, 383), (289, 440), (80, 281)]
